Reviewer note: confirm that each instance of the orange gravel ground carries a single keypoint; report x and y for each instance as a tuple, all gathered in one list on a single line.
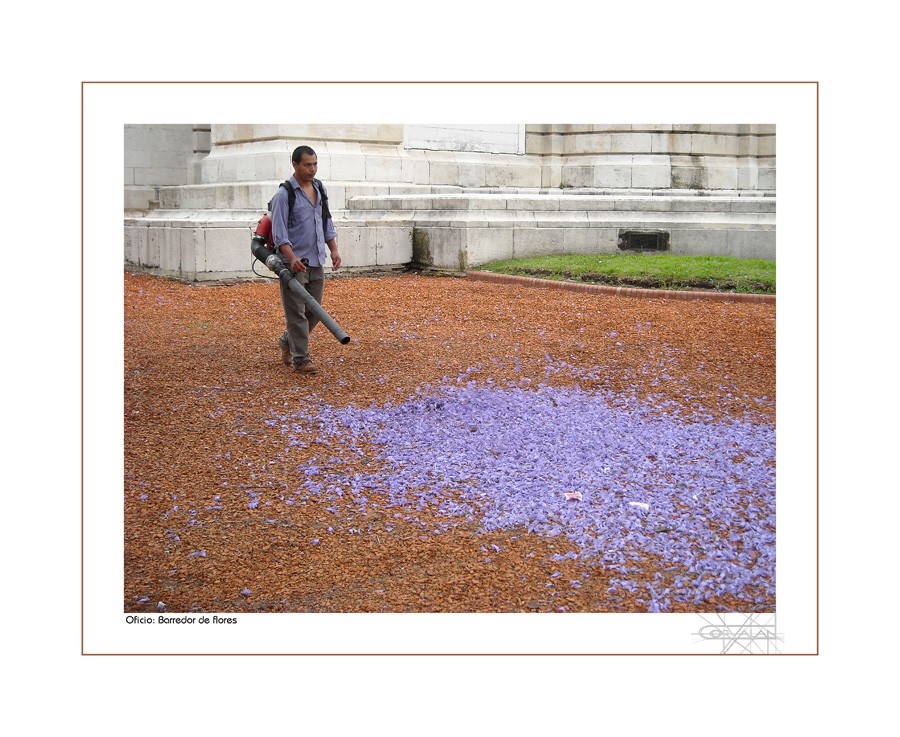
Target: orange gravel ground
[(203, 373)]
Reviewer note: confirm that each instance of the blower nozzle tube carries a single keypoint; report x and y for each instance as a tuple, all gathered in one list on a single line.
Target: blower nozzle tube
[(261, 252)]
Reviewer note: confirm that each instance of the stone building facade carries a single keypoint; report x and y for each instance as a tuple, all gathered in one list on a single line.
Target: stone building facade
[(451, 197)]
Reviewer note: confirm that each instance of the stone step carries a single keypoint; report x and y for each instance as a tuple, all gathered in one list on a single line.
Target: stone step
[(385, 195), (207, 245), (562, 202), (523, 218), (255, 195)]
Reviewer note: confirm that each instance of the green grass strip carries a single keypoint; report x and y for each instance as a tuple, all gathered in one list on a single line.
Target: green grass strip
[(649, 270)]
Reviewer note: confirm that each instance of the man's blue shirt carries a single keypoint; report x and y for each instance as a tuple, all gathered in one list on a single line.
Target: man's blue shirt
[(305, 232)]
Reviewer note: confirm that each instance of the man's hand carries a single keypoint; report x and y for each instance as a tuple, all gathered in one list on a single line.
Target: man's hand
[(295, 264), (335, 256)]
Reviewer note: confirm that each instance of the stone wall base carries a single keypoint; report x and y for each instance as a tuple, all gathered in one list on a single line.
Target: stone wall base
[(457, 231)]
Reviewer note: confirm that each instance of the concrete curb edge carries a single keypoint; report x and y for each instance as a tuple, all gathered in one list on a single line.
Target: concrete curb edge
[(570, 286)]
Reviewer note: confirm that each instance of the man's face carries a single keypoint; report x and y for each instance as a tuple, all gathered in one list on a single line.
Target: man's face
[(305, 169)]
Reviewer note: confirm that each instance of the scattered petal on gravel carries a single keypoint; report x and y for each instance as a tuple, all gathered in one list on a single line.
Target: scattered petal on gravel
[(462, 420), (612, 450)]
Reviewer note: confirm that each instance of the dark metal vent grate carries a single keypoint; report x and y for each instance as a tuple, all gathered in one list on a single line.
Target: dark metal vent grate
[(643, 240)]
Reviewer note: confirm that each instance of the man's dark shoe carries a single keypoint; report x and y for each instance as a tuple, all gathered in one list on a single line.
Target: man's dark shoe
[(285, 354)]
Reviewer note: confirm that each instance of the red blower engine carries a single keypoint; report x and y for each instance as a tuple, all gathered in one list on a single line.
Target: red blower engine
[(264, 230)]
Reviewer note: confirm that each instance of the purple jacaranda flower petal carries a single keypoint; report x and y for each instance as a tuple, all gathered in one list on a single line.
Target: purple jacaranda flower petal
[(246, 592), (695, 507)]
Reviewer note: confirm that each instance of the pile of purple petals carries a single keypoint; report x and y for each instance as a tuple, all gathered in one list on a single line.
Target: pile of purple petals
[(693, 497)]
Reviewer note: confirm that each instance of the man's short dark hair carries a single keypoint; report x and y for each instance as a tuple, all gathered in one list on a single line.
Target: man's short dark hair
[(299, 151)]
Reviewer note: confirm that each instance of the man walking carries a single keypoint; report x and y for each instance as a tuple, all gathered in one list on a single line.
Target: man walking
[(300, 234)]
